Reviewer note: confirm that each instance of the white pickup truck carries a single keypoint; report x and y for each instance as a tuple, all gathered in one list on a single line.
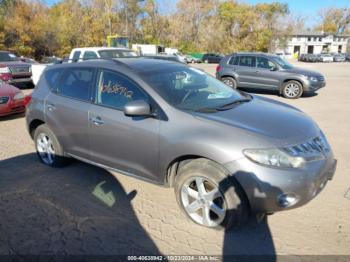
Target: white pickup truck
[(86, 53)]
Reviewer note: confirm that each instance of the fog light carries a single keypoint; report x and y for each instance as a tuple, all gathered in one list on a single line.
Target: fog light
[(287, 200)]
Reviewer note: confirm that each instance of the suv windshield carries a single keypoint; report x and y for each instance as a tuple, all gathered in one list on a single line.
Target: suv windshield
[(282, 63), (8, 57), (117, 53), (191, 89)]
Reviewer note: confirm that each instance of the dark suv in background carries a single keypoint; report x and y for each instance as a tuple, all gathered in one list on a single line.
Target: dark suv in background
[(13, 70), (212, 58), (268, 72)]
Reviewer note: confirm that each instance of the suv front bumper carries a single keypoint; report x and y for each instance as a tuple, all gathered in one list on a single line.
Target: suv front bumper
[(312, 86), (266, 187)]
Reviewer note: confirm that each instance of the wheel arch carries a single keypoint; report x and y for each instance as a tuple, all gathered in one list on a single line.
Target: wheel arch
[(175, 165), (34, 125), (226, 75), (291, 79)]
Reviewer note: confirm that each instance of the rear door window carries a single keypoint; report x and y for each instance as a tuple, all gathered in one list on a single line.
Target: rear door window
[(76, 83), (247, 61)]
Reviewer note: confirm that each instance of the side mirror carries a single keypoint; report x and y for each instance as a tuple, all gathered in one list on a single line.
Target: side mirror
[(273, 68), (137, 108)]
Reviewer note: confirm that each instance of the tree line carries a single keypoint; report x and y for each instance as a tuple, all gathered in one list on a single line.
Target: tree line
[(34, 28)]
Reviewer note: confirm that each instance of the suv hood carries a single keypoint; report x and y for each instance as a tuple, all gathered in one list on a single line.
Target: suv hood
[(302, 71), (270, 119)]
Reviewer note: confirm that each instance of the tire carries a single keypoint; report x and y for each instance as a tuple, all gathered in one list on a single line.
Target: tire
[(223, 200), (48, 148), (230, 81), (292, 89)]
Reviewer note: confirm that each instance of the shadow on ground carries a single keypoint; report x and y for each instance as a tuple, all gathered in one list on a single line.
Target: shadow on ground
[(12, 117), (76, 210), (275, 93), (252, 241), (82, 209)]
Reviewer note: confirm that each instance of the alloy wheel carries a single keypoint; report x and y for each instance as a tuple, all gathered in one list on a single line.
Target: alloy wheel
[(45, 148), (203, 201), (292, 90), (228, 82)]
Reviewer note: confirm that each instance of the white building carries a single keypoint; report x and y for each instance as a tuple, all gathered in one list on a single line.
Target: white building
[(314, 43)]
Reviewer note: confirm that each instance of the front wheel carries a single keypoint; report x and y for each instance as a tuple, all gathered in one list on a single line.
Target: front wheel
[(292, 89), (208, 196)]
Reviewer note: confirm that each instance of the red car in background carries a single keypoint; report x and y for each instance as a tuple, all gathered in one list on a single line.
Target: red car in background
[(13, 70), (12, 100)]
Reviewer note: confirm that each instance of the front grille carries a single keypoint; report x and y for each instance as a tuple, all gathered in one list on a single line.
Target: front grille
[(19, 69), (311, 147), (320, 78), (4, 99)]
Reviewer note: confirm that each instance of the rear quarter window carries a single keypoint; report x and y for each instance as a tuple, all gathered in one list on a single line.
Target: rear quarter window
[(52, 76), (234, 60), (76, 83)]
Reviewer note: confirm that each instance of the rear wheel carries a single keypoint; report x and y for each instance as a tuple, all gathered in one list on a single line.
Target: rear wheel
[(210, 197), (230, 81), (292, 89), (49, 150)]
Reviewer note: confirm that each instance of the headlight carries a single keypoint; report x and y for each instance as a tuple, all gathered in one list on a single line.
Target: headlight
[(4, 70), (18, 96), (274, 157), (312, 78), (291, 156)]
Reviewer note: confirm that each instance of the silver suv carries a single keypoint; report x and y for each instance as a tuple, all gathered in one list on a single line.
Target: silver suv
[(268, 72), (225, 153)]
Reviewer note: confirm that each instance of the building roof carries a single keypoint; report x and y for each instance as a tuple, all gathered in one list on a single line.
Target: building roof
[(314, 33)]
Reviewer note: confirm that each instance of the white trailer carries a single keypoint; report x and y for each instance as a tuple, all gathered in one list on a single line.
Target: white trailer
[(171, 51), (148, 49)]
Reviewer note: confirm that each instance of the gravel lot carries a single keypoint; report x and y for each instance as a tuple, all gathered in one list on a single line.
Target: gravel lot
[(82, 209)]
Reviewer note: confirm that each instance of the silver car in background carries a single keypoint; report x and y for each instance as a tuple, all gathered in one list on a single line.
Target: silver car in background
[(268, 72), (226, 153)]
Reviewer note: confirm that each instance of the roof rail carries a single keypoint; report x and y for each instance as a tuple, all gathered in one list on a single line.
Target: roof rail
[(115, 60)]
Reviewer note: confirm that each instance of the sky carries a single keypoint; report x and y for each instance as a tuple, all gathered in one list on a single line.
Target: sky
[(305, 8)]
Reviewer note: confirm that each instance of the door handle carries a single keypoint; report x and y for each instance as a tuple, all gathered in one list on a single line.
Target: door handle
[(256, 71), (51, 107), (97, 121)]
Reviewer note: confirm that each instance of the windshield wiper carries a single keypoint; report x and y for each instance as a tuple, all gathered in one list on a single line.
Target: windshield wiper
[(229, 105), (207, 110)]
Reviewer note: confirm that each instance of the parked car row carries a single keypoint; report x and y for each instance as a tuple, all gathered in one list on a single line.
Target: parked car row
[(334, 57)]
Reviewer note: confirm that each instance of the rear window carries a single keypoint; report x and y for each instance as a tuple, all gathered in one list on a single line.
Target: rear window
[(117, 53), (4, 56)]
